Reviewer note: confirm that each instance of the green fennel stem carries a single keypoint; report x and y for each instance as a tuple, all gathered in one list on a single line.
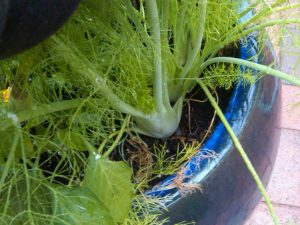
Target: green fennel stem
[(165, 43), (269, 6), (180, 42), (249, 8), (242, 152), (113, 99), (104, 142), (256, 66), (10, 159), (244, 33), (133, 14), (165, 22), (152, 11), (42, 110), (271, 11), (241, 26), (25, 168), (118, 138), (197, 46)]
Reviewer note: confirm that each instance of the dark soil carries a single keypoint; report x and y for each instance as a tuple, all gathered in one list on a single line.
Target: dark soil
[(196, 118)]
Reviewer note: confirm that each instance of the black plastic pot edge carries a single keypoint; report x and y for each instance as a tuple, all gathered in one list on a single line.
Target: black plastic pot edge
[(229, 192)]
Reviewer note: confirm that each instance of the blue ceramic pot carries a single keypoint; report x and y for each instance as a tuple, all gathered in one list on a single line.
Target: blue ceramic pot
[(229, 193)]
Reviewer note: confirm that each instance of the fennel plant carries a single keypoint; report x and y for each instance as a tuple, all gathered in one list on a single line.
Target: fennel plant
[(161, 46), (77, 92)]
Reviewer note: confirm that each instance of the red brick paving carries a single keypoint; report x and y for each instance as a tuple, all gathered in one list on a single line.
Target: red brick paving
[(288, 215), (290, 107), (284, 186)]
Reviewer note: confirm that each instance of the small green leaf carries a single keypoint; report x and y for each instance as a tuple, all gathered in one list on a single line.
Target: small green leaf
[(111, 182), (79, 206)]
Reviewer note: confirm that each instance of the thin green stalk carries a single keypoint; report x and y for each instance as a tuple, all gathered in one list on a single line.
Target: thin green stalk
[(166, 98), (244, 33), (40, 111), (57, 168), (249, 8), (266, 12), (242, 152), (27, 181), (269, 6), (113, 99), (241, 26), (197, 46), (165, 22), (256, 66), (104, 142), (165, 42), (180, 42), (282, 8), (152, 11), (10, 159), (8, 196), (133, 14), (117, 140)]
